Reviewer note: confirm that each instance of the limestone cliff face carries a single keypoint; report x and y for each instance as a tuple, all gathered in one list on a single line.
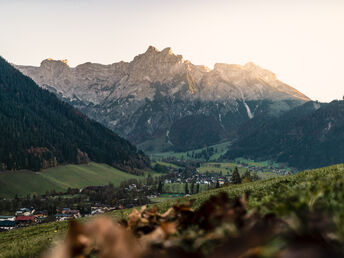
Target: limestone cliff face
[(143, 99)]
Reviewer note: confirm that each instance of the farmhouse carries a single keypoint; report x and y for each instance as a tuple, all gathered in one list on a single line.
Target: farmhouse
[(7, 218), (101, 209), (7, 225), (62, 217), (7, 222), (25, 212), (67, 214), (25, 220)]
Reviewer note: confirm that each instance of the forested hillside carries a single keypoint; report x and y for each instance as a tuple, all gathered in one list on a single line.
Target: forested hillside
[(309, 136), (39, 131)]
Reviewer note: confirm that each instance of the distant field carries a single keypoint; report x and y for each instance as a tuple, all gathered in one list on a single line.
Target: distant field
[(265, 163), (227, 168), (165, 164), (318, 188), (60, 178), (221, 149)]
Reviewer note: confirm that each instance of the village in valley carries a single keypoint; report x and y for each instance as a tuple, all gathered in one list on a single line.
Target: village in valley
[(177, 178)]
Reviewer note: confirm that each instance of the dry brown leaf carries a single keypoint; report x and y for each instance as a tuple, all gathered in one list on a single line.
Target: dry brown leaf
[(167, 213), (134, 218), (101, 236)]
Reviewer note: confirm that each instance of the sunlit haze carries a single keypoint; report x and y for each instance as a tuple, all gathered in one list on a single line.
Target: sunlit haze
[(301, 41)]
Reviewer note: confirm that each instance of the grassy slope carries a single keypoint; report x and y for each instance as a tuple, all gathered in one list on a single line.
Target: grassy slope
[(282, 195), (60, 178)]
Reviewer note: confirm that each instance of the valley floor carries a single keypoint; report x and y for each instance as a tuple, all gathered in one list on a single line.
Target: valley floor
[(295, 196)]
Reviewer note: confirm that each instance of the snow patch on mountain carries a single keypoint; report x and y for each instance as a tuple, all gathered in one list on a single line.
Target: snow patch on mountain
[(250, 115)]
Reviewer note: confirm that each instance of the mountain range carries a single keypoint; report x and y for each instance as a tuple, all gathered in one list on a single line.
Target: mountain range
[(37, 130), (162, 102)]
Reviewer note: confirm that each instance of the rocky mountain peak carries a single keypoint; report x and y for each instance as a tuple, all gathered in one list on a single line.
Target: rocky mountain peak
[(156, 66), (151, 49), (153, 55), (167, 51), (53, 68), (50, 61)]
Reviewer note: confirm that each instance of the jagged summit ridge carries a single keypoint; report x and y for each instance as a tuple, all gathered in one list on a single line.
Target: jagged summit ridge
[(225, 81), (143, 99), (64, 61)]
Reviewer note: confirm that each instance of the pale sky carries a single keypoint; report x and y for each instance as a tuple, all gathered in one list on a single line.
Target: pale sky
[(302, 41)]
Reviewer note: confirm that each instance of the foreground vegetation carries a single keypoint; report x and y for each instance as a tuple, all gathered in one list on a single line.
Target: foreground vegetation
[(316, 191), (60, 179)]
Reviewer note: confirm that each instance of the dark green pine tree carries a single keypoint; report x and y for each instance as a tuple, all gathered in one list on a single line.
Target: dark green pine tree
[(186, 188), (255, 176), (192, 188), (160, 187), (150, 180), (236, 176), (247, 176)]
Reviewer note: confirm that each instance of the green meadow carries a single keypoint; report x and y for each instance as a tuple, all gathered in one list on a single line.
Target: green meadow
[(60, 178), (221, 149)]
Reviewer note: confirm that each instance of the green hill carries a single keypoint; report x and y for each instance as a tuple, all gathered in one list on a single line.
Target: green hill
[(60, 178), (297, 195)]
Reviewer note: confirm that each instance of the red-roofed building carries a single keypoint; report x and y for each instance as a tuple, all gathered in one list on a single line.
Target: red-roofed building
[(25, 220)]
